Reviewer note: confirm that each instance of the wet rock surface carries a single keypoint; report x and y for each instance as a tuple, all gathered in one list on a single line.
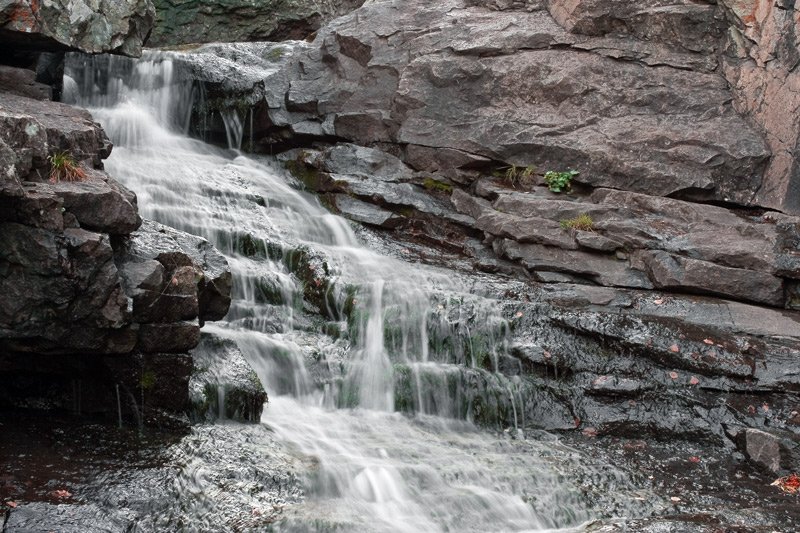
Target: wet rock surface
[(87, 287)]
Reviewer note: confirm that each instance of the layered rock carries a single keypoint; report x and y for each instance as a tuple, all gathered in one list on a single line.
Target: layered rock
[(95, 297)]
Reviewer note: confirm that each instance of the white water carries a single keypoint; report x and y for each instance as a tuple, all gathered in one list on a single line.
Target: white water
[(333, 401)]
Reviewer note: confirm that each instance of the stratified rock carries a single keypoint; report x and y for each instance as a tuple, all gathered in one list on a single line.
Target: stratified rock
[(446, 78), (194, 21), (117, 26), (669, 271)]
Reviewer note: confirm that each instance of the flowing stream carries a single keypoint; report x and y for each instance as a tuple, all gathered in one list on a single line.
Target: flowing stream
[(372, 383)]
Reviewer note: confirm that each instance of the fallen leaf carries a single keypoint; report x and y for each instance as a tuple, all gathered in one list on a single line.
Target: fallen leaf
[(61, 494), (674, 348), (694, 381), (658, 302), (547, 355), (673, 375), (577, 422), (708, 341), (675, 499), (13, 505), (694, 459), (751, 409), (590, 432), (788, 484), (765, 407)]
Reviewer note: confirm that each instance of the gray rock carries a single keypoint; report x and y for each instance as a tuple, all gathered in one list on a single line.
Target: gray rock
[(23, 82), (366, 213), (168, 338), (763, 448), (669, 271)]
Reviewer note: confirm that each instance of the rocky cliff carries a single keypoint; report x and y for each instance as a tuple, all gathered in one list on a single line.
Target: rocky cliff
[(96, 302)]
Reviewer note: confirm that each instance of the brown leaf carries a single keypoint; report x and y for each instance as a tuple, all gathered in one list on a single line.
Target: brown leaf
[(708, 341), (61, 494), (674, 348), (13, 505), (673, 375), (788, 484), (694, 381)]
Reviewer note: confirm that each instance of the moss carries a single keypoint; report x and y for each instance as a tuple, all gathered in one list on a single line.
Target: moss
[(148, 380), (438, 186)]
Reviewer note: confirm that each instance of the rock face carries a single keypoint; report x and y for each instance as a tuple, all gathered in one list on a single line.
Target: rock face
[(117, 26), (93, 295), (760, 62), (458, 86), (194, 21)]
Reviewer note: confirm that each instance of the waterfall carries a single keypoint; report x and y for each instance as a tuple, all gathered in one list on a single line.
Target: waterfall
[(384, 410)]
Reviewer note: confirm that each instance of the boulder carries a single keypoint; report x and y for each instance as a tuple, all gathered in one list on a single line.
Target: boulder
[(207, 278), (23, 82), (116, 26)]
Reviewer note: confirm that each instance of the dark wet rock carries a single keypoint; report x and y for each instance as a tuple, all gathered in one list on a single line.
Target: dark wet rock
[(52, 283), (117, 26), (174, 250), (23, 82), (365, 213), (185, 22), (98, 203), (222, 374), (65, 128), (763, 448), (173, 337)]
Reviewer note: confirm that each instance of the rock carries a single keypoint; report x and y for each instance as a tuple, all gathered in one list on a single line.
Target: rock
[(606, 270), (98, 202), (669, 271), (759, 62), (186, 22), (366, 213), (22, 82), (682, 24), (175, 249), (763, 449), (223, 375), (168, 338), (116, 26), (65, 128), (600, 112)]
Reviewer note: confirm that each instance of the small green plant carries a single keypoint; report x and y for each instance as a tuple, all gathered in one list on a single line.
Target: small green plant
[(64, 167), (515, 176), (433, 185), (559, 181), (582, 222)]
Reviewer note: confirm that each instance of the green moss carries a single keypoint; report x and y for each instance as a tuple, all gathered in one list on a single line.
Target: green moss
[(148, 380), (438, 186)]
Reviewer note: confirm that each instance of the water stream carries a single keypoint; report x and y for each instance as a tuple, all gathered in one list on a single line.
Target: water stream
[(379, 405)]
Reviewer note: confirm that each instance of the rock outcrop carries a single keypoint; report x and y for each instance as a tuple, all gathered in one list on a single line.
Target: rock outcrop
[(193, 21), (117, 26), (90, 292)]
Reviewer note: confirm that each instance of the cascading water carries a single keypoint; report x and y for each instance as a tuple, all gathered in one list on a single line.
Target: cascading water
[(410, 339)]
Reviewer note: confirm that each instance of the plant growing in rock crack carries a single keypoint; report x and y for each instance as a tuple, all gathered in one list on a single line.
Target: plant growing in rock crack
[(64, 167), (582, 222), (559, 181), (516, 176)]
